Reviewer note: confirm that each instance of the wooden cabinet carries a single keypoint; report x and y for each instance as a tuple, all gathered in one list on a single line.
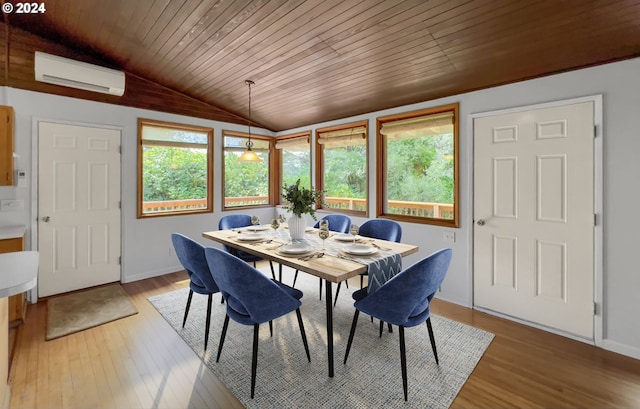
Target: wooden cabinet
[(6, 145), (18, 302)]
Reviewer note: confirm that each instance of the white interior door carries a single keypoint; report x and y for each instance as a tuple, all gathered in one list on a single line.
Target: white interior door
[(78, 207), (534, 216)]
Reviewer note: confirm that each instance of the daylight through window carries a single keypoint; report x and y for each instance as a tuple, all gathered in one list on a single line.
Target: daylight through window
[(418, 166), (342, 167), (175, 169), (245, 184)]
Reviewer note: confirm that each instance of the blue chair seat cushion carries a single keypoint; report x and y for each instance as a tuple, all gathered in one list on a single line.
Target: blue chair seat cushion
[(417, 316)]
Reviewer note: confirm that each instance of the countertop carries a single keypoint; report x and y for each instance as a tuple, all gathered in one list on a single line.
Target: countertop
[(18, 272), (12, 232)]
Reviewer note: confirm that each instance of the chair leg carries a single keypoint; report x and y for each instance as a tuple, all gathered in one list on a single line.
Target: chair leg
[(321, 288), (254, 357), (271, 328), (295, 277), (361, 281), (303, 333), (337, 292), (403, 362), (433, 340), (207, 324), (351, 334), (382, 326), (222, 336), (186, 310), (280, 272)]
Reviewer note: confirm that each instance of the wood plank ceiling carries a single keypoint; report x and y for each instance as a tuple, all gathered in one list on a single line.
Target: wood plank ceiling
[(319, 60)]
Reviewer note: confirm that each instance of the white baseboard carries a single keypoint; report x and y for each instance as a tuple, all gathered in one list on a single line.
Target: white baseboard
[(460, 302), (129, 278), (622, 349)]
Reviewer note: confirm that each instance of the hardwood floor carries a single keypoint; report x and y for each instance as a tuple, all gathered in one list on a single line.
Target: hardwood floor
[(140, 362)]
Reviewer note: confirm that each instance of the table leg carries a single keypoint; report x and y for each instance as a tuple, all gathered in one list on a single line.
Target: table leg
[(328, 299)]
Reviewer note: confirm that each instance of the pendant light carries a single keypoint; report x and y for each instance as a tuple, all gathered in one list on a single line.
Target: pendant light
[(249, 155)]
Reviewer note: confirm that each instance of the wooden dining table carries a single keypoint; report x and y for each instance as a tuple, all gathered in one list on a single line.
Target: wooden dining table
[(330, 268)]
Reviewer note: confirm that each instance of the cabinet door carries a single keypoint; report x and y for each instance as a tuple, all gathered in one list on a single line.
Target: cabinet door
[(17, 303), (6, 146)]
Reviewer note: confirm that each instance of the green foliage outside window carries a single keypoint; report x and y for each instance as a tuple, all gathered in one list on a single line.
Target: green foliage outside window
[(421, 169), (174, 173), (296, 165), (242, 179), (345, 172)]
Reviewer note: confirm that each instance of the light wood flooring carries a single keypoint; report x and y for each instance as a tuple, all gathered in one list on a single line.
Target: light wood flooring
[(140, 362)]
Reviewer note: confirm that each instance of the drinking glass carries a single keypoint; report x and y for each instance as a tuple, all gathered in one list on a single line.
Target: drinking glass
[(354, 229), (255, 220), (323, 234), (275, 224), (324, 224), (281, 218)]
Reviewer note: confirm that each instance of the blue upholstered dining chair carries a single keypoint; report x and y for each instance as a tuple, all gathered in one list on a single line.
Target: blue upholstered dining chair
[(234, 221), (404, 301), (191, 255), (252, 299), (382, 229), (338, 223)]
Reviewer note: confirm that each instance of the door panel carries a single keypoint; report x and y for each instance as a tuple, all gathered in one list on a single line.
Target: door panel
[(78, 207), (533, 208)]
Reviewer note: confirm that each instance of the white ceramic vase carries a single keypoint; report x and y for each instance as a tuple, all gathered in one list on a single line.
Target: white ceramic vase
[(297, 226)]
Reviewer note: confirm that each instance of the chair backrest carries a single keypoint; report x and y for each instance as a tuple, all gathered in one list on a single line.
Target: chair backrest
[(191, 255), (337, 222), (232, 221), (382, 229), (251, 297), (404, 299)]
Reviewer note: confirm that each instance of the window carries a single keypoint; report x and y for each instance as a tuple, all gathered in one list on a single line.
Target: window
[(342, 167), (246, 184), (417, 158), (175, 169), (295, 160)]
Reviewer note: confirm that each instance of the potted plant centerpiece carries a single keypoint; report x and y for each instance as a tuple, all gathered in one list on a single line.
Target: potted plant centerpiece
[(299, 201)]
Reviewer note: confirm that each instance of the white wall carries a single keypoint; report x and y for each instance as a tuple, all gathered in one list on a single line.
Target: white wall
[(146, 242)]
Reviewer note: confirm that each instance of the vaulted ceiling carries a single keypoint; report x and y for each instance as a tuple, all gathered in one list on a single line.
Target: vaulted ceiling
[(319, 60)]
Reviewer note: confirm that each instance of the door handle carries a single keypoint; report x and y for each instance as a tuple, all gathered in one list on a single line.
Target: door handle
[(46, 219), (480, 222)]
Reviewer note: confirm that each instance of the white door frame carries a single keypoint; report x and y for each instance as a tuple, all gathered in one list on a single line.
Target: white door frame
[(598, 287), (32, 295)]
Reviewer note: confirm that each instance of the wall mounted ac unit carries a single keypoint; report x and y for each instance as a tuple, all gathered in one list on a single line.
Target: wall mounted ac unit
[(76, 74)]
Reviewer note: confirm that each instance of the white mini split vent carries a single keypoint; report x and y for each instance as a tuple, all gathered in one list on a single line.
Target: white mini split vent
[(76, 74)]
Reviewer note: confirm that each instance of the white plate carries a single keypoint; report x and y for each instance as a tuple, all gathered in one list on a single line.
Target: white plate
[(249, 236), (260, 227), (360, 250), (295, 248), (346, 237)]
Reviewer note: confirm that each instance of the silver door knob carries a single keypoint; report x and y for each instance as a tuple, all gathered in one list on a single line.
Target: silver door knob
[(480, 222), (46, 219)]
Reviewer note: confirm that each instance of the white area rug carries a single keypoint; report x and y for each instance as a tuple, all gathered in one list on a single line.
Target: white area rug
[(370, 379)]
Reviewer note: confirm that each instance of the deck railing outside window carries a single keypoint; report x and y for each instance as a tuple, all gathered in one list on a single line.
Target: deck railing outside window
[(438, 210)]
